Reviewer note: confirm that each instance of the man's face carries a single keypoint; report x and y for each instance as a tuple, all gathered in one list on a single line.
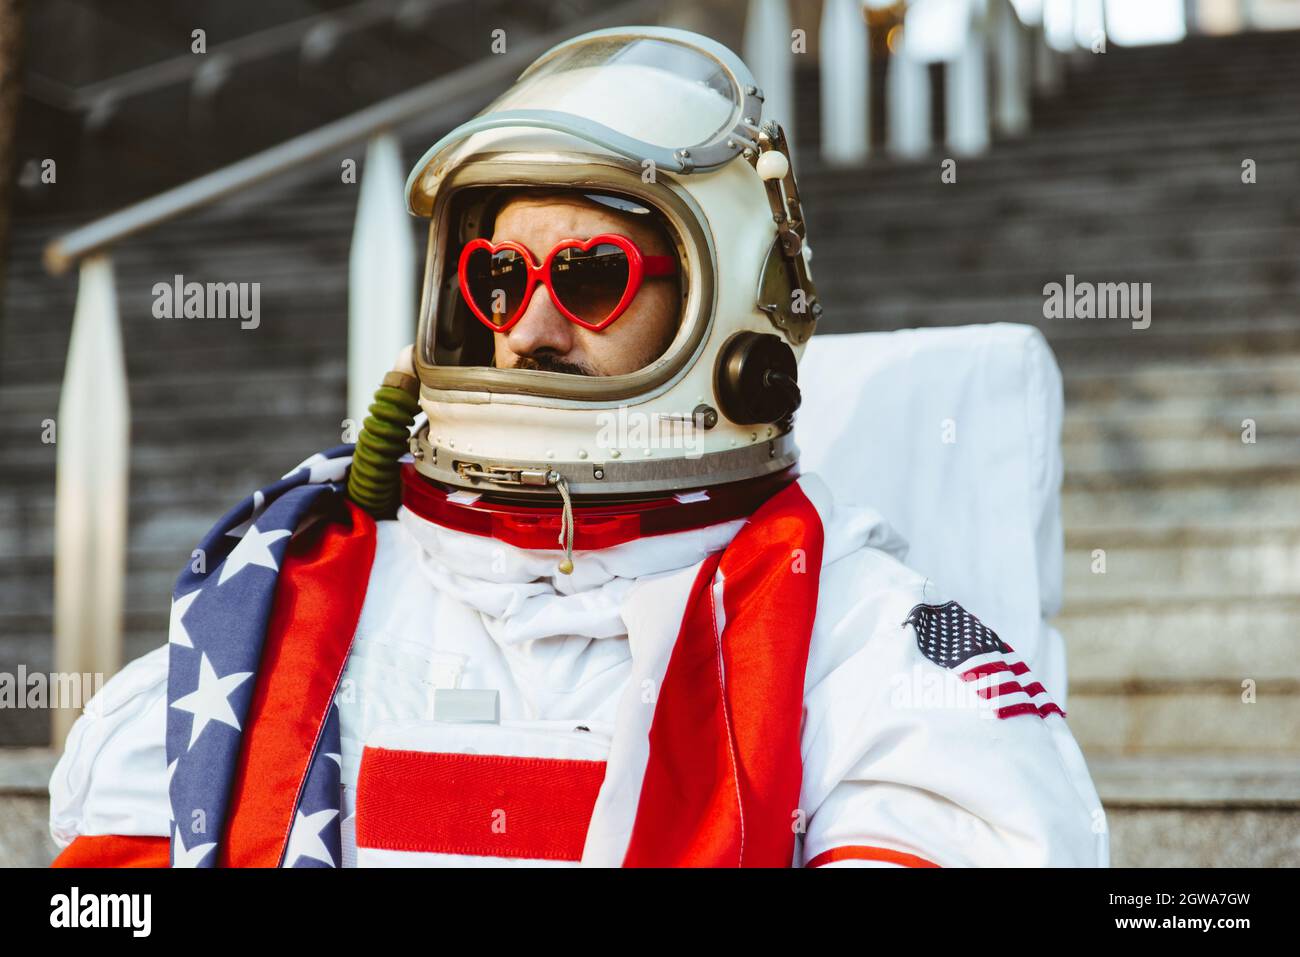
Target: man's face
[(543, 338)]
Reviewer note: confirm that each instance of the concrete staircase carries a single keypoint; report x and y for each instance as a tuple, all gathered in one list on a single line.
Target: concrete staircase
[(1134, 176)]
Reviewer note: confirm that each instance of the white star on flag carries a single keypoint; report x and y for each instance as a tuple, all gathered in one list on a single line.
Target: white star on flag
[(208, 702), (259, 506), (176, 632), (305, 839), (322, 469), (189, 857), (253, 549)]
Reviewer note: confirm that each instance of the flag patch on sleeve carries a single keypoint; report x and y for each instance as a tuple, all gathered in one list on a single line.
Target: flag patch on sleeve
[(953, 638)]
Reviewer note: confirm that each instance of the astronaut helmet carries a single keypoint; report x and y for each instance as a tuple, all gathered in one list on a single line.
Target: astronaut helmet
[(683, 284)]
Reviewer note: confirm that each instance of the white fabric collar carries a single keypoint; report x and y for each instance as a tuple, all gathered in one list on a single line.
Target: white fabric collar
[(521, 594)]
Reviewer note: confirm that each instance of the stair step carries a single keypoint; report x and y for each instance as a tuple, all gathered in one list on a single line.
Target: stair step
[(1055, 153), (1165, 569), (1215, 165), (1200, 781), (1125, 422), (1179, 721), (1093, 340), (1229, 378), (1169, 459), (1098, 508), (1008, 243), (1252, 276), (241, 389), (1164, 643), (1204, 837)]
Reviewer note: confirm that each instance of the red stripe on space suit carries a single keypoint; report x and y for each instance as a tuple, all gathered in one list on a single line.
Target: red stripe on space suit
[(115, 850), (438, 803), (883, 855), (721, 786)]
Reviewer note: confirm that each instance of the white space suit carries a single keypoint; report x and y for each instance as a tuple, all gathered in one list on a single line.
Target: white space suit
[(768, 686), (902, 762)]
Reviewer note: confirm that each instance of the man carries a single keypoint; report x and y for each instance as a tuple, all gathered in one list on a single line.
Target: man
[(609, 624)]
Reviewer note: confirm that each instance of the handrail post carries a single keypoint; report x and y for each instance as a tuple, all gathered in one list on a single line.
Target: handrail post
[(1011, 51), (845, 74), (1049, 64), (966, 92), (93, 442), (768, 54), (908, 106), (381, 275), (1083, 16)]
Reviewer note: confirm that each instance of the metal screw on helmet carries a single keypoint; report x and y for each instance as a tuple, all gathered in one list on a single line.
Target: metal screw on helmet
[(706, 416)]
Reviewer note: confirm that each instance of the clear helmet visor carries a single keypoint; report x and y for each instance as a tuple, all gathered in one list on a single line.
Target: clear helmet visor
[(678, 100), (541, 288), (560, 280), (657, 91)]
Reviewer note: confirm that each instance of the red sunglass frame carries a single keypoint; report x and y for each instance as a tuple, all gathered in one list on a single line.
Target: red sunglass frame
[(639, 267)]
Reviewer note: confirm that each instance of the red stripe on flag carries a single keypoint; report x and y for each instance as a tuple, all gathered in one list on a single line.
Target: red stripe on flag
[(992, 668), (318, 599), (115, 850), (1028, 707), (1011, 687), (722, 781), (858, 852), (483, 805), (1008, 687), (1016, 668)]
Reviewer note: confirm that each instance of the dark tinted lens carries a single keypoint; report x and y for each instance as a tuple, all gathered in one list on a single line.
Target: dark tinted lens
[(496, 283), (590, 282)]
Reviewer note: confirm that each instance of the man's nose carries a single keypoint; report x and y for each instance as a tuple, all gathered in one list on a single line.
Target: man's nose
[(542, 326)]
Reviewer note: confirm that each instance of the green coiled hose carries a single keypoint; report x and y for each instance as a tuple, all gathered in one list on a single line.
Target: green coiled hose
[(374, 481)]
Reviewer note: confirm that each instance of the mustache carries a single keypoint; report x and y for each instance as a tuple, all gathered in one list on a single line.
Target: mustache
[(544, 362)]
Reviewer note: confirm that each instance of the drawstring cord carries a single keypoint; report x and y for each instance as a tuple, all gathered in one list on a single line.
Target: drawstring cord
[(566, 525)]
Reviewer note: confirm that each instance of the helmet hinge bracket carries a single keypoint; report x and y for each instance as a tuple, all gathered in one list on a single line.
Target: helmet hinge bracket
[(796, 320)]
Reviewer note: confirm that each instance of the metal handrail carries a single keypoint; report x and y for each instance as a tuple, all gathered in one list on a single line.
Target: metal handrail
[(439, 101), (263, 43)]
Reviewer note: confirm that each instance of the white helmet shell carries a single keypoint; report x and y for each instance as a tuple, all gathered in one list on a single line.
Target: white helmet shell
[(667, 119)]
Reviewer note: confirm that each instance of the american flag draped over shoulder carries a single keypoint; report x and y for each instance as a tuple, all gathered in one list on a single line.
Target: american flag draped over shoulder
[(221, 606), (953, 638)]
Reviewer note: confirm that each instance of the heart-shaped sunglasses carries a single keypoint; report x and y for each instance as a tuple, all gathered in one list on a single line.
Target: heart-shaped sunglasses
[(591, 281)]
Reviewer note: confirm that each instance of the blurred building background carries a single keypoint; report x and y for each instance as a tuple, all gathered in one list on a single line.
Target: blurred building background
[(1154, 141)]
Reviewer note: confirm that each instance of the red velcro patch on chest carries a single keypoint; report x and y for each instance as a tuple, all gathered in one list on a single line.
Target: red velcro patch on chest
[(484, 805)]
